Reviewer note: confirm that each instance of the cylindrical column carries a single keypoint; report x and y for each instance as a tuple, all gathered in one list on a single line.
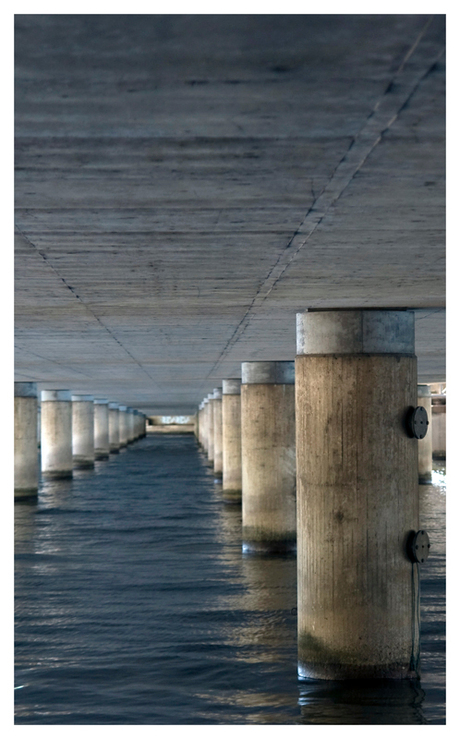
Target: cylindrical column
[(268, 456), (25, 439), (101, 428), (205, 430), (130, 424), (211, 428), (114, 428), (217, 403), (56, 413), (136, 432), (425, 446), (357, 495), (231, 438), (123, 420), (83, 431)]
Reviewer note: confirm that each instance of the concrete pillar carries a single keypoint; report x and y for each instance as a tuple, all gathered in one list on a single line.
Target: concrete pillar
[(39, 424), (57, 461), (123, 420), (114, 428), (231, 438), (438, 410), (130, 424), (200, 424), (211, 428), (217, 410), (25, 439), (101, 428), (83, 431), (136, 431), (357, 495), (205, 424), (425, 446), (268, 457)]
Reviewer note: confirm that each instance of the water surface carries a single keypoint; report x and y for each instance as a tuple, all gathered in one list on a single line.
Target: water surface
[(135, 605)]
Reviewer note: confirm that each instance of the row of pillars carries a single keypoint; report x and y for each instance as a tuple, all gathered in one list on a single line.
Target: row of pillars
[(324, 454), (74, 431)]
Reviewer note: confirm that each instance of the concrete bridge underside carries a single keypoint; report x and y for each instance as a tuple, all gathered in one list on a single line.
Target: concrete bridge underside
[(186, 184)]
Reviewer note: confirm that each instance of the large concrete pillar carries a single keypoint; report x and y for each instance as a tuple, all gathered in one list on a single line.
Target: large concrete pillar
[(357, 495), (231, 438), (83, 431), (114, 428), (268, 456), (425, 446), (101, 428), (210, 412), (123, 421), (56, 449), (217, 410), (25, 439)]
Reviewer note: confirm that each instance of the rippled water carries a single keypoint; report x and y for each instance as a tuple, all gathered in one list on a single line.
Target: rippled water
[(135, 605)]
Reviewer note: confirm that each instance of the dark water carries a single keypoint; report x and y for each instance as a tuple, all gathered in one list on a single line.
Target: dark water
[(135, 605)]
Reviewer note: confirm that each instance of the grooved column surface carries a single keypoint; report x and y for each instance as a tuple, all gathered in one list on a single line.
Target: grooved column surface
[(268, 467), (231, 443), (357, 501)]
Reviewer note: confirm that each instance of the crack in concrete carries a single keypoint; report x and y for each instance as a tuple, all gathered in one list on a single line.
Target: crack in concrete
[(377, 123)]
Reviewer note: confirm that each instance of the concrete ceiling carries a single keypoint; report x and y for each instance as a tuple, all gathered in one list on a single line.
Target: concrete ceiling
[(186, 184)]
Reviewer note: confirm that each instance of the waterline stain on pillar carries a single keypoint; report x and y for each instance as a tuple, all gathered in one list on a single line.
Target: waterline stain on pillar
[(25, 440), (357, 495), (268, 457)]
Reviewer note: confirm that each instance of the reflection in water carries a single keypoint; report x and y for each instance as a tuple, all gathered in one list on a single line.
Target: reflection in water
[(135, 605), (362, 702)]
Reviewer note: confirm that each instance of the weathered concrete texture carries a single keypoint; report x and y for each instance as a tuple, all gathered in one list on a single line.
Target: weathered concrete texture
[(268, 461), (101, 429), (114, 428), (25, 439), (231, 439), (184, 182), (425, 446), (217, 410), (56, 448), (83, 431), (357, 502)]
